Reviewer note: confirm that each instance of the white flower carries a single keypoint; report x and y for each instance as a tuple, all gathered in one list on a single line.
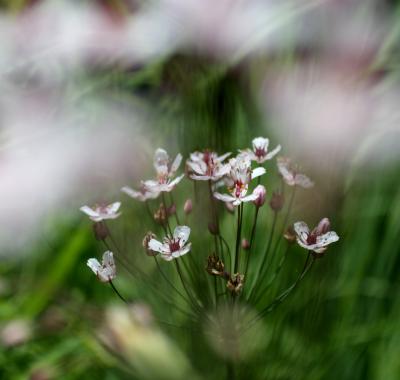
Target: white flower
[(318, 239), (289, 173), (238, 180), (102, 212), (205, 166), (260, 152), (106, 271), (165, 172), (142, 195), (172, 247)]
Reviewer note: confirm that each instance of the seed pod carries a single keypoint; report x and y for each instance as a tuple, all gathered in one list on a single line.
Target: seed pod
[(215, 266), (213, 228), (235, 283), (160, 215), (290, 235)]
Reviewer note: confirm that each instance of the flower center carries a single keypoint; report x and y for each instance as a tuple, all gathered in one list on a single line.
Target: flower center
[(174, 245), (311, 239), (260, 152)]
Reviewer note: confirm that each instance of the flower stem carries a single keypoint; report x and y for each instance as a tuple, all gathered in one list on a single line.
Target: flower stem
[(253, 230), (194, 304), (238, 235), (117, 292)]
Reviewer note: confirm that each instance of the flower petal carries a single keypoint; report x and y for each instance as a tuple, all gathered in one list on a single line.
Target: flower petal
[(257, 172), (113, 208), (224, 197), (182, 233), (303, 181), (157, 246), (175, 165), (302, 230), (328, 238), (89, 211), (273, 153), (94, 265)]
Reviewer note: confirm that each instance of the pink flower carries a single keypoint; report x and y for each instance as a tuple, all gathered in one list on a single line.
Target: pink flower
[(318, 239), (205, 166), (172, 246), (102, 212), (290, 175), (260, 152), (165, 173), (142, 195), (238, 180), (106, 271)]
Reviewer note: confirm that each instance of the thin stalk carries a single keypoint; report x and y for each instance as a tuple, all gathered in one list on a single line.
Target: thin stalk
[(238, 235), (168, 281), (278, 300), (166, 213), (117, 292), (176, 211), (253, 230), (195, 305), (264, 259)]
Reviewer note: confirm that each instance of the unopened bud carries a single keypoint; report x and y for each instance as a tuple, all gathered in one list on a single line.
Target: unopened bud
[(276, 202), (146, 241), (160, 216), (261, 192), (230, 207), (290, 235), (245, 244), (100, 230), (188, 207), (171, 210), (213, 228)]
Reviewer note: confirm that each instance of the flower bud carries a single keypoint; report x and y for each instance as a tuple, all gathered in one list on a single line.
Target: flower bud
[(230, 207), (188, 207), (276, 202), (245, 244), (146, 241), (171, 210), (261, 192), (213, 228), (100, 230)]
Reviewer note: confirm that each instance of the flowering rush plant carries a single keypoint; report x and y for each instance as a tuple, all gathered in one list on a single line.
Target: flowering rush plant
[(206, 264)]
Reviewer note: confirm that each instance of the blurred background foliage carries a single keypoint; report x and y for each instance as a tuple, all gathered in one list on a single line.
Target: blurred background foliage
[(342, 322)]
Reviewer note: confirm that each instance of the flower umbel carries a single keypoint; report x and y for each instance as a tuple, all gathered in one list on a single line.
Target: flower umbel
[(102, 212), (318, 239), (172, 247), (106, 271)]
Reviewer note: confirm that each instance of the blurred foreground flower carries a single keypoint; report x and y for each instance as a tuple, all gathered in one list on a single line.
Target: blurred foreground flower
[(207, 166), (129, 332), (16, 332)]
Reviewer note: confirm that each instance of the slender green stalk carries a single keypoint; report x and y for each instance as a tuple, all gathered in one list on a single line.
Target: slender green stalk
[(238, 235), (117, 292), (253, 230)]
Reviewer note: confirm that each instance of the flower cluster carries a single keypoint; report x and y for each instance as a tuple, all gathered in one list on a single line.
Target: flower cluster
[(229, 261)]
